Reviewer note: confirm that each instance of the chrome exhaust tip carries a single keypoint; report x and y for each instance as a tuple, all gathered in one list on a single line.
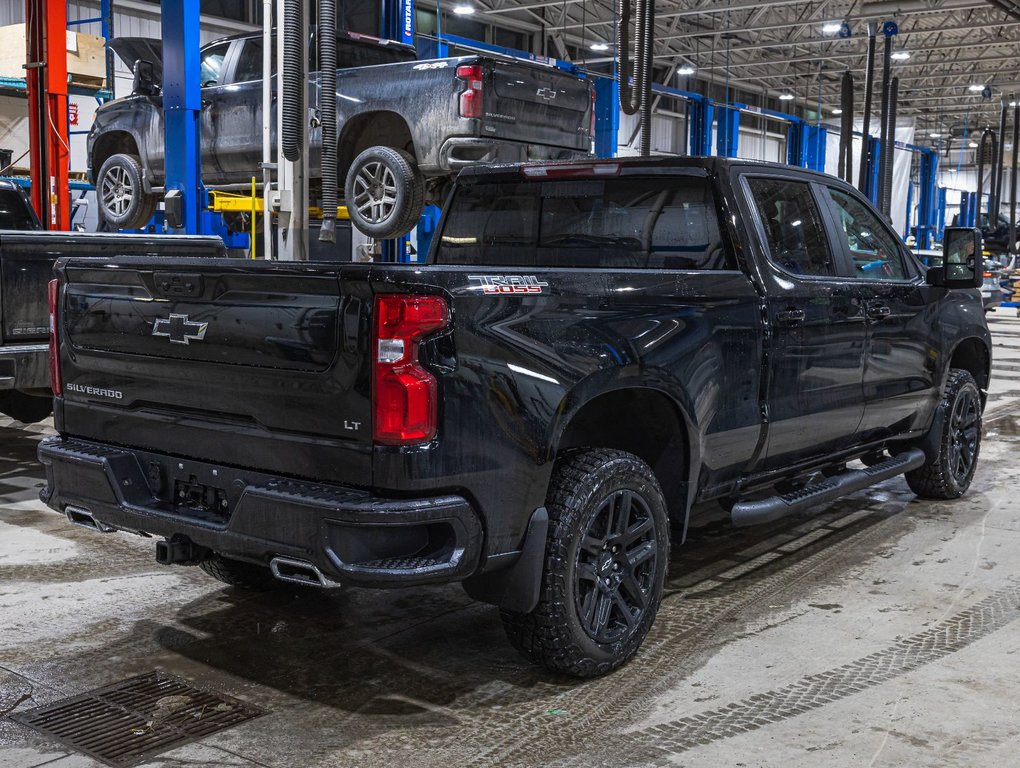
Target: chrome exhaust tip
[(300, 572), (84, 518)]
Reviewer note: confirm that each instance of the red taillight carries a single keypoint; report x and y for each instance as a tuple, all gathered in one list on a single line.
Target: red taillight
[(570, 170), (54, 295), (404, 395), (472, 95)]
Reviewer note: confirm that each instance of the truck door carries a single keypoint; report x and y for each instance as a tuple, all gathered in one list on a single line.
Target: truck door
[(216, 101), (815, 361), (899, 371)]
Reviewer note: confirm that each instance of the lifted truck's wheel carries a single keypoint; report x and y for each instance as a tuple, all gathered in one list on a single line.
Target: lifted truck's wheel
[(237, 573), (123, 202), (950, 474), (605, 565), (384, 192), (27, 409)]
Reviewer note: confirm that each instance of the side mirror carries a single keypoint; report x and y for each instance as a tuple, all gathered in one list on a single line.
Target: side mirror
[(144, 79), (962, 264)]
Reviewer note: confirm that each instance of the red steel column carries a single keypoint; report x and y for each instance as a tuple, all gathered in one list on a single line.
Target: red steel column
[(46, 75)]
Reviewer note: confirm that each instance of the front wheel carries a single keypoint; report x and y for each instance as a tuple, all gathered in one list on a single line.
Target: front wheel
[(384, 193), (950, 474), (123, 202), (605, 565)]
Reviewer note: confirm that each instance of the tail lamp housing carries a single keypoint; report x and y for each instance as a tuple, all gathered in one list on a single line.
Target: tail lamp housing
[(53, 295), (404, 393), (472, 96)]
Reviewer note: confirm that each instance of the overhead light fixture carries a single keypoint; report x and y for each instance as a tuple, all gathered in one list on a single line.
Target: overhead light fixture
[(464, 10), (973, 145), (837, 111), (900, 55), (786, 97), (600, 46), (832, 27), (685, 71), (934, 135), (976, 87)]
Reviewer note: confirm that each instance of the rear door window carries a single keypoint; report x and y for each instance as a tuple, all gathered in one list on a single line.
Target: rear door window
[(622, 223), (792, 226), (211, 66)]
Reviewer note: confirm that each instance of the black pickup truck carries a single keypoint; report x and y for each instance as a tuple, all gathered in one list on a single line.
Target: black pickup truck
[(591, 349), (404, 127)]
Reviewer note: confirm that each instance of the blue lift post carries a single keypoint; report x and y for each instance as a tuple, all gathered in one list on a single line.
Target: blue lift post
[(927, 223), (727, 137), (396, 22), (182, 107), (607, 116)]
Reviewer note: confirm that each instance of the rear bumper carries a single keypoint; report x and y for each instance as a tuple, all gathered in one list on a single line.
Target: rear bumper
[(460, 152), (348, 534), (25, 367)]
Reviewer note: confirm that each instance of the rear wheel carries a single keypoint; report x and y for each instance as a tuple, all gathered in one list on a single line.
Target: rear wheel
[(238, 573), (384, 192), (123, 202), (605, 565), (950, 474)]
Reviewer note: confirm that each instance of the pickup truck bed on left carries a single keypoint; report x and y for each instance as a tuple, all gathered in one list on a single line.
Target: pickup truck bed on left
[(26, 266)]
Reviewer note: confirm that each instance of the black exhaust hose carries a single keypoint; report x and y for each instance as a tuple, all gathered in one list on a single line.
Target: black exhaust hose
[(894, 95), (883, 155), (292, 100), (327, 116), (869, 86), (628, 104), (989, 133), (996, 189), (645, 63), (846, 126)]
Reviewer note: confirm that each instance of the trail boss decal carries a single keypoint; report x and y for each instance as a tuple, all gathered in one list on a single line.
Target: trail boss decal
[(509, 284)]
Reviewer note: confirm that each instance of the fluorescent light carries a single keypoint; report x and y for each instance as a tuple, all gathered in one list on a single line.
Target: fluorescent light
[(837, 111), (832, 27), (901, 55), (600, 46), (786, 97), (934, 135), (463, 10), (685, 71), (973, 145), (976, 88)]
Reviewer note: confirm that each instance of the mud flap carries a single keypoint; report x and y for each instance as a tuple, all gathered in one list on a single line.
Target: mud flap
[(516, 588)]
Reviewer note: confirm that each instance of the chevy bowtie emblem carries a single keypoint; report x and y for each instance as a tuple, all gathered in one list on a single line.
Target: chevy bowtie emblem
[(179, 329), (546, 93)]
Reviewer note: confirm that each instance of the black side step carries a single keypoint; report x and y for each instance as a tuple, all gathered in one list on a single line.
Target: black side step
[(775, 507)]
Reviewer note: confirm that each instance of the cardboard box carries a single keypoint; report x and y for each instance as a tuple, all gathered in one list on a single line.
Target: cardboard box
[(86, 56)]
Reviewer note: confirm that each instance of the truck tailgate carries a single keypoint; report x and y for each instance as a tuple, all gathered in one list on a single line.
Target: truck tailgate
[(540, 105), (253, 364)]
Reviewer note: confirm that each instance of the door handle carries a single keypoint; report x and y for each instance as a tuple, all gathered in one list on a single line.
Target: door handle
[(206, 103), (790, 317), (878, 311)]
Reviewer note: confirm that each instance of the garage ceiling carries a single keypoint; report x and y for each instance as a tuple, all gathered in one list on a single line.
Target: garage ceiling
[(781, 46)]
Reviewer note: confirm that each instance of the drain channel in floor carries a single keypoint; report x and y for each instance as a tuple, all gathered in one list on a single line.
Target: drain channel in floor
[(126, 723)]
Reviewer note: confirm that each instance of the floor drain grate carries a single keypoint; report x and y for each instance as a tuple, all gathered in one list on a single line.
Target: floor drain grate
[(125, 723)]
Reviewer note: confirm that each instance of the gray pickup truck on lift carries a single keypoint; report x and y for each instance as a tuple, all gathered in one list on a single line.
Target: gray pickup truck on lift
[(404, 127)]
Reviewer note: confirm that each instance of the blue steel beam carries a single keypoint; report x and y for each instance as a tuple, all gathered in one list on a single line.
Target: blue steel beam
[(182, 107)]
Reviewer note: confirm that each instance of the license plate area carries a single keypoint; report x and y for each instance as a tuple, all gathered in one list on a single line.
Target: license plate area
[(196, 499)]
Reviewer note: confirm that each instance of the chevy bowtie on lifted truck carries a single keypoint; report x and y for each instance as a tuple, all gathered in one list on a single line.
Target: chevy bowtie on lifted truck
[(404, 127), (591, 349)]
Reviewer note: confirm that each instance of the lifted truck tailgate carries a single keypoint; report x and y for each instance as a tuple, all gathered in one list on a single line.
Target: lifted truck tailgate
[(253, 364), (540, 105)]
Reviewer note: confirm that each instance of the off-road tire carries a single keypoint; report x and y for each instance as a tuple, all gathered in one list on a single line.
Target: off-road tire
[(238, 573), (552, 634), (121, 174), (960, 441), (384, 192)]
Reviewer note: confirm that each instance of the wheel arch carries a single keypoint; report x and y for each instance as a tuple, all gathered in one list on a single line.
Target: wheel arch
[(656, 429), (370, 129), (111, 143), (972, 354)]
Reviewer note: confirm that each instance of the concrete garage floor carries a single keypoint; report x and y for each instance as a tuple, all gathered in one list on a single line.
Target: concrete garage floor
[(882, 631)]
